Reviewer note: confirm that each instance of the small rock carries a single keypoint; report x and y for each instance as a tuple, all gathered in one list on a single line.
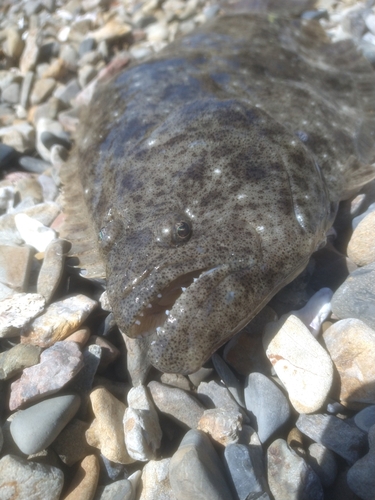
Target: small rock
[(111, 31), (19, 477), (355, 297), (215, 395), (48, 133), (176, 403), (71, 444), (16, 311), (228, 378), (42, 89), (141, 425), (109, 353), (155, 481), (80, 336), (44, 212), (361, 248), (85, 74), (20, 136), (85, 481), (20, 356), (11, 93), (351, 345), (52, 268), (323, 462), (316, 311), (69, 92), (33, 232), (7, 154), (13, 46), (334, 433), (38, 426), (289, 476), (26, 87), (15, 266), (106, 431), (195, 470), (176, 380), (119, 490), (266, 402), (32, 164), (300, 362), (58, 365), (60, 320), (361, 478), (222, 424), (365, 418)]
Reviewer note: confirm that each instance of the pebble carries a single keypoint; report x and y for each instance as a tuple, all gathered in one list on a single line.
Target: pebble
[(11, 93), (141, 426), (289, 476), (246, 471), (41, 90), (365, 418), (361, 477), (44, 212), (106, 432), (26, 87), (32, 164), (7, 154), (48, 133), (81, 336), (16, 312), (38, 426), (176, 380), (60, 320), (20, 136), (15, 266), (267, 404), (21, 356), (215, 395), (361, 248), (351, 345), (113, 30), (300, 362), (196, 471), (155, 481), (228, 378), (58, 366), (13, 46), (85, 481), (52, 268), (71, 444), (222, 424), (119, 490), (182, 407), (33, 232), (347, 441), (109, 352), (316, 311), (19, 478), (323, 461), (355, 297)]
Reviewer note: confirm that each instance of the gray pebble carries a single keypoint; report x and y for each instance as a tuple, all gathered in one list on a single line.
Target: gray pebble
[(355, 297), (361, 477), (289, 476), (87, 45), (119, 490), (37, 427), (347, 441), (195, 470), (267, 403), (27, 84), (229, 379), (323, 462), (31, 164), (365, 418), (11, 94)]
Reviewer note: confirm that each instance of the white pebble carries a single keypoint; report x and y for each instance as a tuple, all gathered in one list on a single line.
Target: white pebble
[(33, 232)]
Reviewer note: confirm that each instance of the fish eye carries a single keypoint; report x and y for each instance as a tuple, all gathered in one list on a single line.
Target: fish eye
[(173, 230), (182, 231)]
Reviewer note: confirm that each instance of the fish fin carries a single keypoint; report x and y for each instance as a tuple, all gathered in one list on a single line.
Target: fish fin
[(78, 227)]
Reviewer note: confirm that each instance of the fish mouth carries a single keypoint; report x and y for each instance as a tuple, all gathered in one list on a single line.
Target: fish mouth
[(152, 316)]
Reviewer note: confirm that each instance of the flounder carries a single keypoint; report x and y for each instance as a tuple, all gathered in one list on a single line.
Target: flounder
[(205, 177)]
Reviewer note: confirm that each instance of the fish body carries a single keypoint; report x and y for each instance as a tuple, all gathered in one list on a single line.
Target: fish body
[(211, 173)]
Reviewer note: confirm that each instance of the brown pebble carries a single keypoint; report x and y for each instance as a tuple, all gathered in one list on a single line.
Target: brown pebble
[(84, 483), (81, 336)]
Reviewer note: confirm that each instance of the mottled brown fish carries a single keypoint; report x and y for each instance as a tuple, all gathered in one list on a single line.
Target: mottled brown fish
[(212, 172)]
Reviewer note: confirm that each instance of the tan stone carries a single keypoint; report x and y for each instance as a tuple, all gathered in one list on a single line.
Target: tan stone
[(361, 248), (81, 336), (224, 425), (85, 481), (351, 344)]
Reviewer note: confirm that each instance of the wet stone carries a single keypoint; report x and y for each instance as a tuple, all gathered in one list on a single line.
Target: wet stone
[(85, 481), (16, 311), (365, 418), (196, 471), (267, 404), (15, 266), (177, 404), (289, 476), (18, 477), (347, 441), (355, 297), (38, 426), (361, 478), (222, 424), (351, 345), (323, 462), (20, 356), (155, 481), (60, 320), (58, 366), (52, 268)]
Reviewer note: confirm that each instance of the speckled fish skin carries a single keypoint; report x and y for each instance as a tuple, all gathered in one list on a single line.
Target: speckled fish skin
[(245, 130)]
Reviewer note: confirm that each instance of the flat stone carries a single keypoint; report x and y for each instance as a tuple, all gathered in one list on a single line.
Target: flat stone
[(323, 462), (195, 470), (182, 407), (246, 471), (355, 297), (20, 356), (71, 444), (267, 403), (106, 431), (361, 248), (15, 266), (33, 232), (38, 426), (351, 345), (16, 312), (85, 481), (289, 476), (361, 477), (222, 424), (119, 490), (60, 320), (334, 433), (155, 481), (58, 365), (19, 477), (35, 165), (365, 418), (301, 363), (52, 268), (141, 425)]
